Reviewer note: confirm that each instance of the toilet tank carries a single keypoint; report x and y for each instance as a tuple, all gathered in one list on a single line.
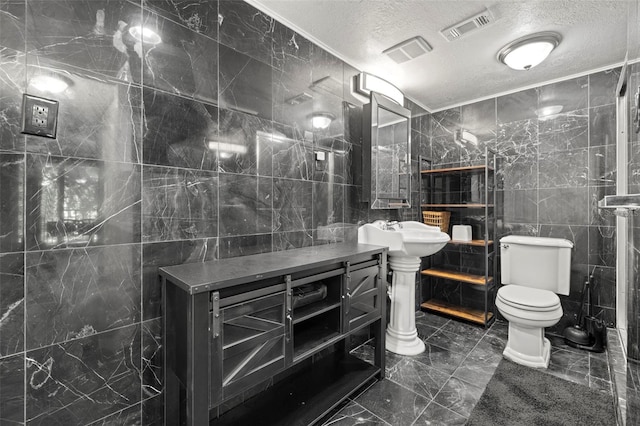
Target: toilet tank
[(537, 262)]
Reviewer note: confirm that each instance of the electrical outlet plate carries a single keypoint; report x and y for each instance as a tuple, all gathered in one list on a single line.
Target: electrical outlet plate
[(39, 116)]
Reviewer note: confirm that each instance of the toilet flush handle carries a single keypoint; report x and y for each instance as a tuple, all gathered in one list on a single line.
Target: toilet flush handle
[(504, 246)]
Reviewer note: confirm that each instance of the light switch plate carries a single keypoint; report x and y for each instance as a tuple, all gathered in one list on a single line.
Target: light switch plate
[(39, 116)]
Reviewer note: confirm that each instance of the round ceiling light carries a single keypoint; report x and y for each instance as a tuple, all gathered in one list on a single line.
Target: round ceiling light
[(321, 120), (527, 52)]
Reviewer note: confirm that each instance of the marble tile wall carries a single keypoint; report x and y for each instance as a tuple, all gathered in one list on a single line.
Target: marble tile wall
[(183, 148), (555, 169)]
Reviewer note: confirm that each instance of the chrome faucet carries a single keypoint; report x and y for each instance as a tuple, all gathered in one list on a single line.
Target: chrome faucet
[(393, 225)]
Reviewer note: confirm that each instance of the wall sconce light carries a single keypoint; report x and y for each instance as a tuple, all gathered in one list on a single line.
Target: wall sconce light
[(144, 35), (527, 52), (367, 83), (321, 120), (225, 149)]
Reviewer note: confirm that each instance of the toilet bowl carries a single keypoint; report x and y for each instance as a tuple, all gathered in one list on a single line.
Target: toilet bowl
[(534, 270), (529, 311)]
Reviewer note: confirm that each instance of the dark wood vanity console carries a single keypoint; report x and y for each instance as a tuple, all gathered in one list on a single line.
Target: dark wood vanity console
[(268, 334)]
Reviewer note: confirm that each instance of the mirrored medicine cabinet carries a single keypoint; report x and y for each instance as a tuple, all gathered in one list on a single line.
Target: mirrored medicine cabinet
[(386, 154)]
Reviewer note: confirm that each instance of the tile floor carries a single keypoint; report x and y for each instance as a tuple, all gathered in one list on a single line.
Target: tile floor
[(442, 385)]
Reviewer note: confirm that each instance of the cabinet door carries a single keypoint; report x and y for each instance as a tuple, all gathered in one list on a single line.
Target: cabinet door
[(249, 347), (363, 296)]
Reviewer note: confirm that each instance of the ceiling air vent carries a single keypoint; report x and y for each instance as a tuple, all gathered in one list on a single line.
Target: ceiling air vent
[(408, 49), (478, 21)]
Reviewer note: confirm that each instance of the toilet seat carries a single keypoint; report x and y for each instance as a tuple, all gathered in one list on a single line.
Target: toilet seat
[(528, 299)]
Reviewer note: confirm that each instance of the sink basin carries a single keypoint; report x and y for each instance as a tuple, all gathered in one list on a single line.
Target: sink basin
[(406, 239)]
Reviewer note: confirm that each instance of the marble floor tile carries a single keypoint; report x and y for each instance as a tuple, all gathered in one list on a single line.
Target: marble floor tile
[(437, 415), (393, 403), (452, 341), (419, 378), (430, 319), (440, 358), (459, 396)]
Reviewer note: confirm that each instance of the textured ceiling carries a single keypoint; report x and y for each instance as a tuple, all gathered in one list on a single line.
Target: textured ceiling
[(456, 72)]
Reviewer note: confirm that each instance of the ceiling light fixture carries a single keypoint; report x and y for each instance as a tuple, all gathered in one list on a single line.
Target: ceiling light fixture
[(321, 120), (367, 83), (49, 83), (527, 52)]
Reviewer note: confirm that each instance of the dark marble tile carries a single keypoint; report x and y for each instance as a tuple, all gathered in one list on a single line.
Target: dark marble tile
[(602, 87), (200, 16), (153, 411), (293, 155), (81, 291), (452, 341), (571, 94), (602, 165), (156, 255), (84, 380), (459, 396), (598, 216), (602, 125), (292, 95), (465, 330), (92, 35), (244, 245), (567, 169), (602, 246), (80, 203), (244, 83), (562, 359), (562, 132), (12, 168), (445, 123), (11, 304), (331, 169), (393, 403), (599, 368), (184, 62), (152, 358), (289, 47), (521, 206), (246, 144), (292, 205), (478, 367), (12, 86), (247, 30), (417, 377), (179, 204), (517, 106), (13, 25), (297, 239), (328, 207), (12, 383), (437, 415), (354, 414), (563, 206), (246, 204), (444, 151), (129, 416), (518, 139), (441, 359), (104, 126), (180, 132)]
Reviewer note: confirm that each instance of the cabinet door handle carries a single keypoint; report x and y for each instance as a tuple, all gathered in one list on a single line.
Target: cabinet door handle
[(289, 326), (348, 307), (215, 305)]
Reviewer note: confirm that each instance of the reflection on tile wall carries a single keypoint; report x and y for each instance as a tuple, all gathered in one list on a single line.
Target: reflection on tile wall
[(556, 167), (183, 148)]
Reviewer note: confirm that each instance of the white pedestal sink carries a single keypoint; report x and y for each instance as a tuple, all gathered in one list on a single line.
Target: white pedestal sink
[(408, 242)]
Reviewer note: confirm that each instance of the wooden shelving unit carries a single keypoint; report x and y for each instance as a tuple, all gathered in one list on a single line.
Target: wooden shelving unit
[(458, 276), (468, 193), (469, 314)]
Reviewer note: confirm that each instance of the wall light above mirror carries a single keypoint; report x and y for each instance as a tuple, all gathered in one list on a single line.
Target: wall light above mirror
[(367, 83)]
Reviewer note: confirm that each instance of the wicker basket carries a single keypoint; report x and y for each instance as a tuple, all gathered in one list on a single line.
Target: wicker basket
[(440, 219)]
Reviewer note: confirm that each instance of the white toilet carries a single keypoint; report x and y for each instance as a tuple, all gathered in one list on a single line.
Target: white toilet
[(538, 268)]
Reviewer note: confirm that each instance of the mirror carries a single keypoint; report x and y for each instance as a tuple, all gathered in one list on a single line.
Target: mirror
[(387, 153)]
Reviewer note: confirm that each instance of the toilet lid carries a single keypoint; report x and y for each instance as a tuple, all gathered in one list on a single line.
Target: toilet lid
[(528, 298)]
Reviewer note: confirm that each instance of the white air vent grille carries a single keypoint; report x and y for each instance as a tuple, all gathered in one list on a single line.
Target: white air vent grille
[(468, 25), (408, 49)]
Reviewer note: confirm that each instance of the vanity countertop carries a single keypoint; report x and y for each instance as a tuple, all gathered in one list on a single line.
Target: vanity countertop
[(217, 274)]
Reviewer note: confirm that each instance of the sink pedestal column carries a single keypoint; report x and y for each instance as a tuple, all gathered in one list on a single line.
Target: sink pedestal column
[(402, 336)]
